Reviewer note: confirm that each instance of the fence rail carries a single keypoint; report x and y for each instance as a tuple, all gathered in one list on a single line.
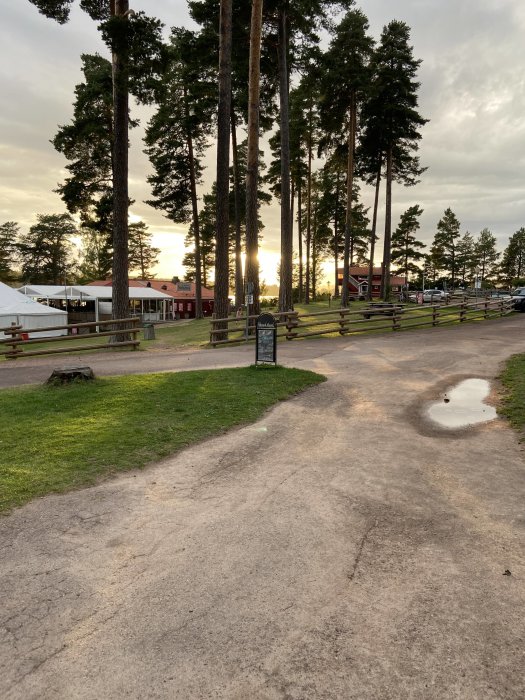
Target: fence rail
[(373, 317), (18, 340)]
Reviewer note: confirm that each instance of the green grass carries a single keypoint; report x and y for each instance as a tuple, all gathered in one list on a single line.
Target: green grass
[(513, 404), (53, 438), (195, 332)]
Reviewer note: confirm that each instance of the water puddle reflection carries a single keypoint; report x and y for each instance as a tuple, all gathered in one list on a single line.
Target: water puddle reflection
[(463, 405)]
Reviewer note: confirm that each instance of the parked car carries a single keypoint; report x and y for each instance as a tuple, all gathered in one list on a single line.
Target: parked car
[(435, 295), (518, 295), (498, 294)]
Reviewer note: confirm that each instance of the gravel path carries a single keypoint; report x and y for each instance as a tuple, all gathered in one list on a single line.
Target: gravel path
[(341, 547)]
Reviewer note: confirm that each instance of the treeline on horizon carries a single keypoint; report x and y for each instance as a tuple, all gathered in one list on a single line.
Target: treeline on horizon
[(341, 112)]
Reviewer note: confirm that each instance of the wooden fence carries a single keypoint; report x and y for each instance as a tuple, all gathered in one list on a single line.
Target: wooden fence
[(373, 317), (19, 339)]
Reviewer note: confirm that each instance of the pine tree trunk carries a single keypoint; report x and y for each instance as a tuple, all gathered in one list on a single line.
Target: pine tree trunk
[(308, 209), (315, 256), (223, 162), (307, 285), (292, 212), (120, 284), (336, 239), (196, 230), (239, 290), (373, 239), (349, 191), (252, 158), (387, 248), (300, 238), (141, 254), (285, 286)]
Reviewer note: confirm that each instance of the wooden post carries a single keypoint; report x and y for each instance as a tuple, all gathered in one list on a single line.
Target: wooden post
[(396, 319), (462, 312), (435, 315), (291, 324), (486, 309), (343, 323), (14, 333), (212, 334)]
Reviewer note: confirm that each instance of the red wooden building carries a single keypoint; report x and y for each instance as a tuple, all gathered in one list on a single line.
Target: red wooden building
[(358, 281)]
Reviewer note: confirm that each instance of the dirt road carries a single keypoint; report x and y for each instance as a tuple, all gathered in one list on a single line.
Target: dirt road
[(339, 548)]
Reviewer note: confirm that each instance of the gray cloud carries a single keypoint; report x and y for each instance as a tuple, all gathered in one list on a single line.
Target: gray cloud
[(472, 90)]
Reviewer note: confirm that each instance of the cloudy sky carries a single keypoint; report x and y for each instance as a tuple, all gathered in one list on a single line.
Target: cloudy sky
[(472, 90)]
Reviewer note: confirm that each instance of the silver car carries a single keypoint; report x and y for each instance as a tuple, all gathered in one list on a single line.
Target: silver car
[(435, 295)]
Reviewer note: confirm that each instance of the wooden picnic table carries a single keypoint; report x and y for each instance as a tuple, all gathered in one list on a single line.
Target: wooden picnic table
[(385, 308)]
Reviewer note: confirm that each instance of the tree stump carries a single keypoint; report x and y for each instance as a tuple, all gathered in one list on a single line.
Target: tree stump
[(66, 375)]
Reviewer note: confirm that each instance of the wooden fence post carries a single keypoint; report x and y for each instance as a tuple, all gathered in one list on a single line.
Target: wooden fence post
[(14, 332), (462, 312), (396, 320), (435, 315), (343, 322), (212, 333), (291, 323)]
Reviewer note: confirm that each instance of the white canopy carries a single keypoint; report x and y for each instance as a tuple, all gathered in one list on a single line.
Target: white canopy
[(86, 291), (20, 309), (152, 303)]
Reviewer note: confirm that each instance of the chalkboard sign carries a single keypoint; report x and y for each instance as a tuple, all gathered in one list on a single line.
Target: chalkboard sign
[(266, 339)]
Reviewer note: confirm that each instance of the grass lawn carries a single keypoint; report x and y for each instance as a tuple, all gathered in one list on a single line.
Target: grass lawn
[(53, 438), (513, 407)]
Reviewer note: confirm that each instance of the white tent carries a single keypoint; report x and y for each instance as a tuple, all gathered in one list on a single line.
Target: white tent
[(20, 309)]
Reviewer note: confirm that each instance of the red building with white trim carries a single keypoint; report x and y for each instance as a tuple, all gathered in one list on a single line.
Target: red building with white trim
[(358, 281)]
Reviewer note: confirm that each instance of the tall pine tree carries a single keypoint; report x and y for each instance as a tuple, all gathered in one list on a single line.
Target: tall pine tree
[(513, 260), (406, 249), (445, 244), (393, 121), (177, 137)]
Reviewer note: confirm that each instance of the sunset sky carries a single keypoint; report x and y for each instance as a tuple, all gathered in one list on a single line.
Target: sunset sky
[(472, 90)]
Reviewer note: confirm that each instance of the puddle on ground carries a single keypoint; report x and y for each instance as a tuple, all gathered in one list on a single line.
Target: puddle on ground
[(463, 405)]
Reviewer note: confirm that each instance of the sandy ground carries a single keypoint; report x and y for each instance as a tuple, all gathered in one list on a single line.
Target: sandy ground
[(341, 547)]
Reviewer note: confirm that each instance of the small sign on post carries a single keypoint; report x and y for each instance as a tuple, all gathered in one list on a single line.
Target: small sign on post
[(265, 339)]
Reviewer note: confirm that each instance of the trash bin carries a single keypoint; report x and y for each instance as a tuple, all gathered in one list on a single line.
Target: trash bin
[(149, 331)]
